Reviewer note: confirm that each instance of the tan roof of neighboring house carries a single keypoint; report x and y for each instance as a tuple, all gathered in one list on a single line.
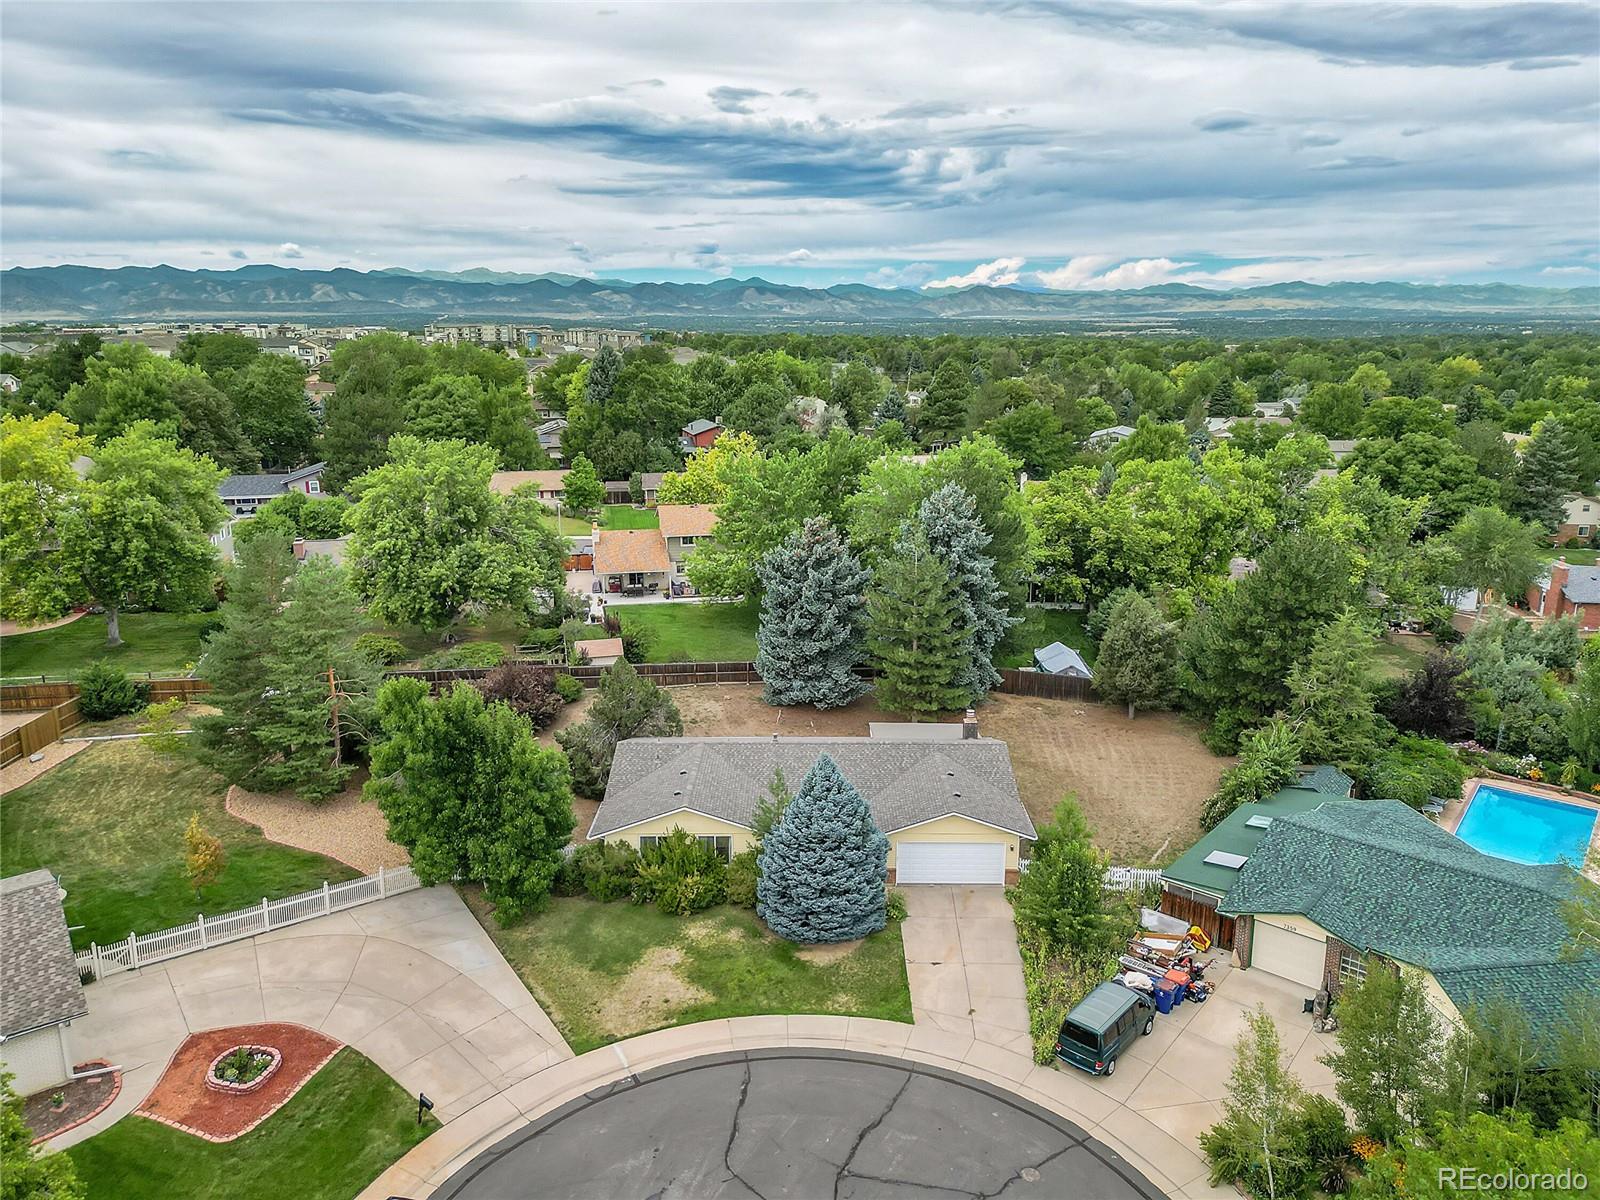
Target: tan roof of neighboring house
[(506, 482), (595, 648), (617, 551), (686, 520)]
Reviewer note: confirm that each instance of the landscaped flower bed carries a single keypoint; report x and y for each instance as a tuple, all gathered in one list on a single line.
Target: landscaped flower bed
[(242, 1069)]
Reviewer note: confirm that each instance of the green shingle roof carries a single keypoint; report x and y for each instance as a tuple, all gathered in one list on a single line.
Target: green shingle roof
[(1326, 778), (1382, 877), (1235, 836)]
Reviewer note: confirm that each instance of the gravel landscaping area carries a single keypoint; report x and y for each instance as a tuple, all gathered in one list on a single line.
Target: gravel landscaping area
[(344, 827)]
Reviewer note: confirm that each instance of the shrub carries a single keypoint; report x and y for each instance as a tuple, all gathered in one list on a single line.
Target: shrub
[(568, 687), (544, 639), (1322, 1137), (466, 655), (569, 880), (740, 879), (895, 906), (1413, 770), (627, 706), (604, 870), (1052, 986), (324, 517), (680, 875), (105, 691), (526, 688), (381, 648)]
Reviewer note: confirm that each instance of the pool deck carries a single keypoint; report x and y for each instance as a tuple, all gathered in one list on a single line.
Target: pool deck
[(1450, 819)]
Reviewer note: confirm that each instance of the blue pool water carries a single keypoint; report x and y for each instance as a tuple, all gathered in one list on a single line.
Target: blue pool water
[(1526, 828)]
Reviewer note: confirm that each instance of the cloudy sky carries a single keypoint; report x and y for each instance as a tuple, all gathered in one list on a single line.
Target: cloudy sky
[(1082, 144)]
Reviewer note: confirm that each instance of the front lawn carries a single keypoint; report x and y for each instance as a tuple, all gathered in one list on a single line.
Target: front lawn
[(165, 644), (110, 820), (1037, 629), (335, 1136), (693, 631), (626, 516), (609, 971)]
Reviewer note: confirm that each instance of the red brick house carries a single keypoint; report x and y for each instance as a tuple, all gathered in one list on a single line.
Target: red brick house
[(1570, 591), (699, 435), (1580, 518)]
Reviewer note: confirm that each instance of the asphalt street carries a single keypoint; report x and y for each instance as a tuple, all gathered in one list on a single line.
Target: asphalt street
[(799, 1125)]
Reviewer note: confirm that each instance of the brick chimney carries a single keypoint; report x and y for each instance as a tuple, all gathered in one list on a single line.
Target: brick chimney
[(969, 725), (1554, 597), (300, 549)]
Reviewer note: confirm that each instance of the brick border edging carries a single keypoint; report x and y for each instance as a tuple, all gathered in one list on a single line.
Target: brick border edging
[(253, 1085), (293, 1092), (116, 1090)]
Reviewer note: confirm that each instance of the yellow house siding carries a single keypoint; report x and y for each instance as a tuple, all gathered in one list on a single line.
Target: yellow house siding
[(1442, 1003), (956, 829), (689, 822)]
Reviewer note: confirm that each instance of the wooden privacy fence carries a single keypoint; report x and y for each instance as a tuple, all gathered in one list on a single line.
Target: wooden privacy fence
[(48, 694), (33, 736), (1050, 687), (665, 674), (142, 949)]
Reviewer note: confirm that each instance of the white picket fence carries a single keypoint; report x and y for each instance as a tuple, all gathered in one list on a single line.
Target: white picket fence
[(142, 949), (1125, 879)]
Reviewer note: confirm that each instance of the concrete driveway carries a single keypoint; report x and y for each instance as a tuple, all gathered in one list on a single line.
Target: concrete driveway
[(963, 965), (413, 982)]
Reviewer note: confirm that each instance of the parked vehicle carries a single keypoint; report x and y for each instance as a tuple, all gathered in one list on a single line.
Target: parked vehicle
[(1097, 1031)]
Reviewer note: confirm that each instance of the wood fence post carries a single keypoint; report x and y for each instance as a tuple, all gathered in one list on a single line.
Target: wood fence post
[(200, 919)]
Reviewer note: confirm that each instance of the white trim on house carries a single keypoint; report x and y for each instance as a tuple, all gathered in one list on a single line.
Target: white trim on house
[(661, 816)]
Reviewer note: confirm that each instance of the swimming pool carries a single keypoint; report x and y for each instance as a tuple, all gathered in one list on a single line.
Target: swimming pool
[(1526, 828)]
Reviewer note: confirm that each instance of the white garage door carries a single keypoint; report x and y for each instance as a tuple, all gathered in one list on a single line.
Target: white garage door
[(1284, 952), (950, 862)]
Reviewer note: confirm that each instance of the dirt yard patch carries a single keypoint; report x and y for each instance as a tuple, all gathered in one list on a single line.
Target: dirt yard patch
[(1141, 783), (182, 1099), (344, 827), (649, 994)]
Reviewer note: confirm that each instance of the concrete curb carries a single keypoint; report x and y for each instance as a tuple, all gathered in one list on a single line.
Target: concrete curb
[(429, 1164)]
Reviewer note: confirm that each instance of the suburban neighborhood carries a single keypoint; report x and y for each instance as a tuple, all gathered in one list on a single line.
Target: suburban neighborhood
[(891, 603)]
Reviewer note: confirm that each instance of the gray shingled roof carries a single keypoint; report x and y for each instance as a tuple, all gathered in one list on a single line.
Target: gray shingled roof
[(249, 487), (904, 782), (699, 425), (38, 971), (1583, 585)]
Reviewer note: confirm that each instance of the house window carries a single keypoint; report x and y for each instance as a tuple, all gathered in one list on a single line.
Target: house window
[(722, 845), (1583, 531), (1352, 967), (647, 843), (686, 542), (314, 486)]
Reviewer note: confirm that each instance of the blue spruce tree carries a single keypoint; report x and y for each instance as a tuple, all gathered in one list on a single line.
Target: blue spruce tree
[(812, 619), (957, 537), (824, 864)]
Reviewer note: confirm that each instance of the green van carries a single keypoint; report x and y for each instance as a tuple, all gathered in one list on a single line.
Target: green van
[(1102, 1025)]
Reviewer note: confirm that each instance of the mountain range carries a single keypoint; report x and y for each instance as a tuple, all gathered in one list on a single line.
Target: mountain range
[(398, 296)]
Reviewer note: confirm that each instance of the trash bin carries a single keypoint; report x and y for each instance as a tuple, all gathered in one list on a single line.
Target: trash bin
[(1163, 997)]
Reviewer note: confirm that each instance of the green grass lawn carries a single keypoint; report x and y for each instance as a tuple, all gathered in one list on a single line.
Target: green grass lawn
[(162, 643), (689, 631), (1578, 556), (1037, 629), (565, 525), (625, 516), (1396, 659), (338, 1134), (110, 823), (610, 971)]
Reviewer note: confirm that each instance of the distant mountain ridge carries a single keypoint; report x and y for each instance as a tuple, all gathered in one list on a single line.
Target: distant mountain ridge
[(397, 295)]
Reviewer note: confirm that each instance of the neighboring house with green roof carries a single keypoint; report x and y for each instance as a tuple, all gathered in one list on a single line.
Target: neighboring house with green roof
[(1194, 885), (1327, 779), (1327, 887)]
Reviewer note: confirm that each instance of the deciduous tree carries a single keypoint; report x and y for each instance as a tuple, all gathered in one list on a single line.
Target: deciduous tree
[(470, 793), (581, 490)]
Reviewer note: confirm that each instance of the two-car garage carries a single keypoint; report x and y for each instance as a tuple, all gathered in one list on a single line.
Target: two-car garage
[(950, 862)]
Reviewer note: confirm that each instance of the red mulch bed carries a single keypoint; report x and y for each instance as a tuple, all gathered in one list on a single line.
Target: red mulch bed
[(85, 1098), (182, 1100)]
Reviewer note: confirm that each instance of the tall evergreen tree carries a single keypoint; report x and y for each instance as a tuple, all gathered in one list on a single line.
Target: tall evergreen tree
[(957, 537), (824, 864), (812, 619), (1138, 659), (1331, 696), (942, 415), (1547, 473), (891, 408), (581, 489), (602, 380), (912, 634), (284, 628)]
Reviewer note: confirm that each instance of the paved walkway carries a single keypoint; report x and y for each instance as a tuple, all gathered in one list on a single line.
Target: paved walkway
[(412, 982)]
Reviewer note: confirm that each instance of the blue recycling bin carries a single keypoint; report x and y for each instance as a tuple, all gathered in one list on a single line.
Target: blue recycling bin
[(1163, 998)]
